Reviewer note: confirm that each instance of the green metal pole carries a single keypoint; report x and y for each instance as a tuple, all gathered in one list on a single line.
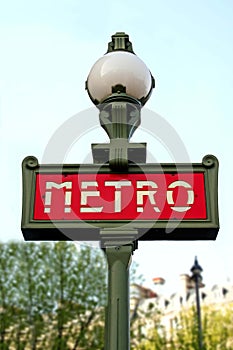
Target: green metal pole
[(200, 340), (117, 336)]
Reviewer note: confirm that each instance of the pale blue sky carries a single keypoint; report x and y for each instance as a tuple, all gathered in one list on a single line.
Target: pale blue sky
[(46, 51)]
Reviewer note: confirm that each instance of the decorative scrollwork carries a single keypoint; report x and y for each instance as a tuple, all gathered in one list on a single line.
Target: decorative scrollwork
[(31, 162), (209, 161)]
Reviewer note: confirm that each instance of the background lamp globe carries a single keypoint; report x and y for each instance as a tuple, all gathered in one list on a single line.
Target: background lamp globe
[(196, 268), (119, 72)]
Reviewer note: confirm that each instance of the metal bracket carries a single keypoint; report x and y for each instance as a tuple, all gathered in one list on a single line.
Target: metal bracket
[(119, 153), (119, 117), (117, 238)]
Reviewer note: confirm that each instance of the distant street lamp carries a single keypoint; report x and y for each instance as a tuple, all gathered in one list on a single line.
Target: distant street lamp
[(197, 278)]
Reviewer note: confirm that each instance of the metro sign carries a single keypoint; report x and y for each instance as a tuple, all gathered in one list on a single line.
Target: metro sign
[(161, 201), (119, 197)]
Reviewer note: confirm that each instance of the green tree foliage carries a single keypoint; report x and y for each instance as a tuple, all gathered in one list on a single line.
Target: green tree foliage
[(217, 329), (146, 330), (7, 310), (52, 296), (185, 331), (217, 326)]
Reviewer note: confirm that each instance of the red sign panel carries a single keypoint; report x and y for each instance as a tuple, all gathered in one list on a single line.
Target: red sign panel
[(101, 197)]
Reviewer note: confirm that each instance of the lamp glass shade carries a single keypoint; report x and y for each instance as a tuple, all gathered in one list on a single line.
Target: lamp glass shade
[(119, 68)]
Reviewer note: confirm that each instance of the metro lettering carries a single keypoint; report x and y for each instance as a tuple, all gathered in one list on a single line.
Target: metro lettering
[(142, 195)]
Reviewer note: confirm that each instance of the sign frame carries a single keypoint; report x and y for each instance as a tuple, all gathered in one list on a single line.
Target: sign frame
[(58, 230)]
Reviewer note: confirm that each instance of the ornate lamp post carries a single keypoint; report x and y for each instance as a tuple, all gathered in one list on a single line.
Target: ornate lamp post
[(119, 84), (72, 202), (197, 278)]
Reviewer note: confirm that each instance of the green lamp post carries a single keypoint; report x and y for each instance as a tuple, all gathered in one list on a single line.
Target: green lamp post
[(119, 84), (197, 278)]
